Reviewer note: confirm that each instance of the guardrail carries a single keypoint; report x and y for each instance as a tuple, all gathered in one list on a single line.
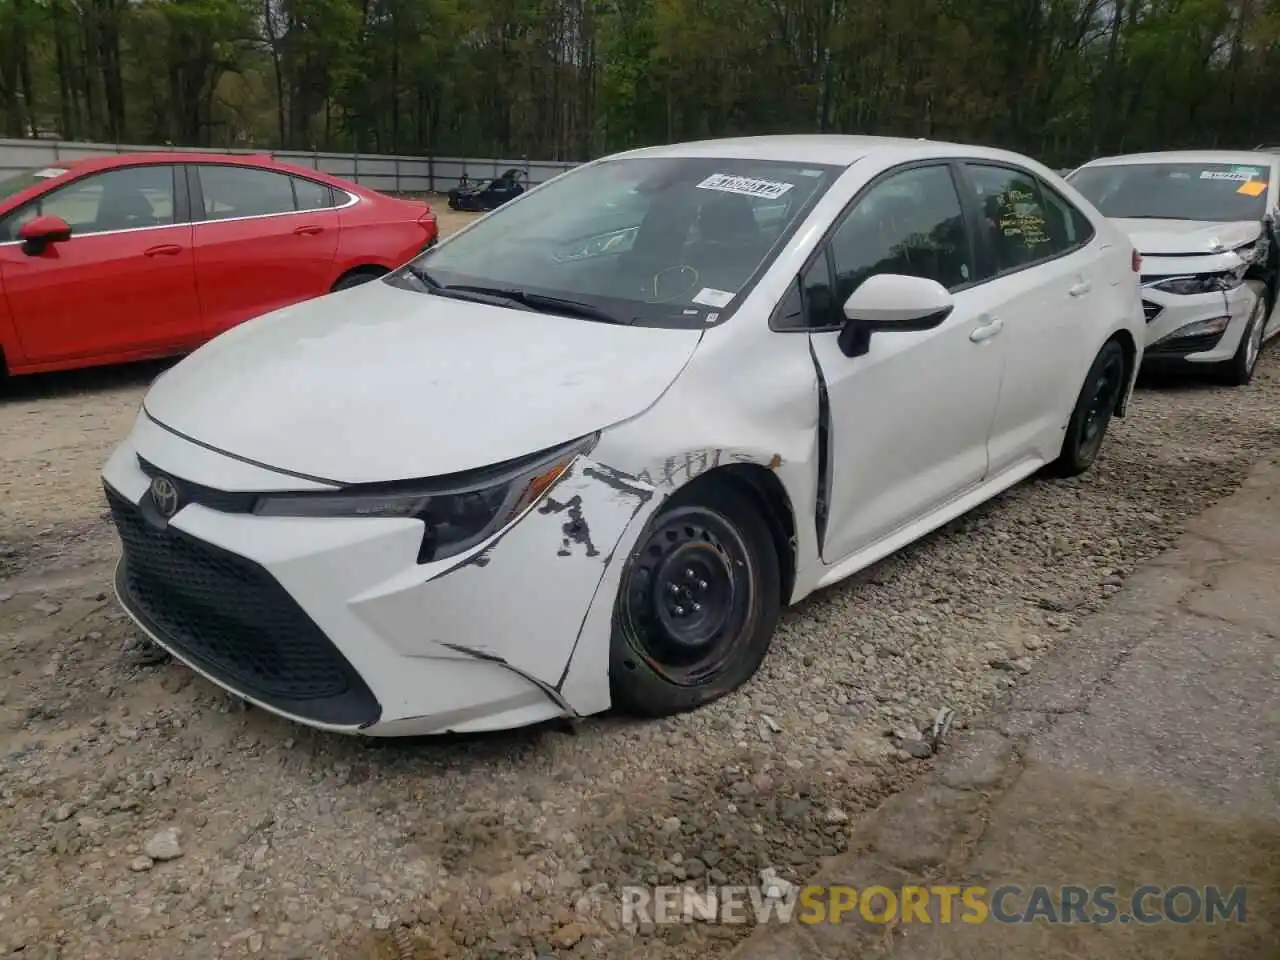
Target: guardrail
[(390, 174)]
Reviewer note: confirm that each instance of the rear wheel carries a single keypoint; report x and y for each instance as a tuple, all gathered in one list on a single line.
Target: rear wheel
[(355, 278), (1238, 371), (1095, 406), (698, 603)]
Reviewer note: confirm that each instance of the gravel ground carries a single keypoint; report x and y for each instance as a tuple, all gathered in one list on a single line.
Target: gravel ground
[(144, 814)]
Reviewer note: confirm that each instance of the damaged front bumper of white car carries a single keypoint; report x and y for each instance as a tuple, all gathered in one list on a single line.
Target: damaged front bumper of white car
[(1197, 308)]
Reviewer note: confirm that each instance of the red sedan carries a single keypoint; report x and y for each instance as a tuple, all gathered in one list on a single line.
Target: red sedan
[(146, 255)]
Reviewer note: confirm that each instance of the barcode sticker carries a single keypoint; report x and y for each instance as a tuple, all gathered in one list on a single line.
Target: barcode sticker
[(745, 186)]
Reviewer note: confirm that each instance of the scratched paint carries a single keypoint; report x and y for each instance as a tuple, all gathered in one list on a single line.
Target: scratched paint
[(679, 470)]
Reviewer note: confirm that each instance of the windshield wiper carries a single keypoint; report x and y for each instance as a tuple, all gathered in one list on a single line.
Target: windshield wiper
[(420, 273), (463, 292), (535, 301)]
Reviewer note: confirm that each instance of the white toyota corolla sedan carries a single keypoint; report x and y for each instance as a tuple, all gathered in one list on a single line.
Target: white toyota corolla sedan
[(1204, 222), (581, 453)]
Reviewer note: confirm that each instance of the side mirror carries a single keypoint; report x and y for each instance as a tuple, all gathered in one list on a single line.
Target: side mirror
[(38, 233), (889, 301)]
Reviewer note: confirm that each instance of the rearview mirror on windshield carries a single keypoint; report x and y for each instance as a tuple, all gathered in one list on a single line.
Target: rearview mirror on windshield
[(891, 301), (39, 232)]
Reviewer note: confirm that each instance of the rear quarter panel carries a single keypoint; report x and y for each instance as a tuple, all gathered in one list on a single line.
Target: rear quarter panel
[(381, 231), (1124, 294)]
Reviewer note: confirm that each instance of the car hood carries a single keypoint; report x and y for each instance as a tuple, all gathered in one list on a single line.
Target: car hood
[(380, 383), (1188, 237)]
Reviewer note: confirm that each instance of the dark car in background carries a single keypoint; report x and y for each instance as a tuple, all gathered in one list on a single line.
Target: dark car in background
[(487, 195)]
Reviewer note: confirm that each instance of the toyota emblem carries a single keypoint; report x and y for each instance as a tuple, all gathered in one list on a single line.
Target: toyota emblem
[(165, 495)]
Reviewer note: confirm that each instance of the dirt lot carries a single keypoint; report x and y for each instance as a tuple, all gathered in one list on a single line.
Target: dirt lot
[(294, 844)]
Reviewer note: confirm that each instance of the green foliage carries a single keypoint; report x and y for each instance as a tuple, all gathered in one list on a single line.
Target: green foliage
[(1062, 79)]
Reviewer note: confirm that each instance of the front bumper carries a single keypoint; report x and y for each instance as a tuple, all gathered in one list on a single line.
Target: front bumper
[(1168, 313), (333, 623)]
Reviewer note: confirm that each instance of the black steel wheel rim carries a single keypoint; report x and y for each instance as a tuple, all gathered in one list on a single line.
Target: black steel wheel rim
[(1104, 393), (688, 595)]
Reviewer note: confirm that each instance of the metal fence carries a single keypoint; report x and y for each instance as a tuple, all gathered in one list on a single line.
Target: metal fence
[(376, 171)]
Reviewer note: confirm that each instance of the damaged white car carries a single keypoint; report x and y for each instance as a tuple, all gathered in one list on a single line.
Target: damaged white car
[(1205, 225), (581, 453)]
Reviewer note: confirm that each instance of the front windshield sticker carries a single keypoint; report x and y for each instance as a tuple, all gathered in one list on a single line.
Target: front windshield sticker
[(1253, 188), (1226, 175), (712, 298), (746, 186), (49, 172)]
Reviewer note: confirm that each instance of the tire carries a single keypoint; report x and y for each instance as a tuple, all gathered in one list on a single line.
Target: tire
[(1239, 370), (708, 550), (355, 278), (1095, 406)]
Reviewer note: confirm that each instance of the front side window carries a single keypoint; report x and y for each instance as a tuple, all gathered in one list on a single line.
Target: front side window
[(1211, 192), (910, 223), (230, 192), (1013, 216), (123, 199), (649, 240)]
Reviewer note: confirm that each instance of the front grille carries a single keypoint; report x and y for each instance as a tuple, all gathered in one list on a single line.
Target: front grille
[(1151, 310), (230, 617)]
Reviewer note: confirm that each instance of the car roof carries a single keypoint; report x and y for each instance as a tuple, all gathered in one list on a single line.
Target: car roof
[(263, 160), (835, 149), (1186, 156)]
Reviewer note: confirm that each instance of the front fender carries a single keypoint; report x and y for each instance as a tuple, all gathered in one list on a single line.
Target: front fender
[(538, 598)]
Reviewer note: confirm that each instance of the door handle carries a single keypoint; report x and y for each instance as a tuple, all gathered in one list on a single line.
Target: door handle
[(164, 250), (308, 231), (1081, 288), (990, 327)]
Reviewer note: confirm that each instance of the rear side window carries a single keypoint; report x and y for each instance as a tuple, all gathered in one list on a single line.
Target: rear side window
[(1069, 229), (230, 192), (311, 195)]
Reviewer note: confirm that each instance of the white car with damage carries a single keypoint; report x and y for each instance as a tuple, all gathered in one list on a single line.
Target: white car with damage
[(1204, 223), (545, 470)]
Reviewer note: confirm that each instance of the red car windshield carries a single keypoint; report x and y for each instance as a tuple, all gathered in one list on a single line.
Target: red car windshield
[(13, 183)]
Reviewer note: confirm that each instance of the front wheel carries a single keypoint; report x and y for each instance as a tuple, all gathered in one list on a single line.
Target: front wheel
[(1095, 406), (697, 605), (1238, 371)]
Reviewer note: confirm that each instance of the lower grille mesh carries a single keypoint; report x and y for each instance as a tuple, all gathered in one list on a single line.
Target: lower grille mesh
[(230, 617)]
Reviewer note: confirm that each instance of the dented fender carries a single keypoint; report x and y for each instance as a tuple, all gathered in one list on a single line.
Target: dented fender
[(524, 598)]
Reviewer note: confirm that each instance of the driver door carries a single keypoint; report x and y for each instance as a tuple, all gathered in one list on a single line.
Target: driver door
[(910, 419), (123, 285)]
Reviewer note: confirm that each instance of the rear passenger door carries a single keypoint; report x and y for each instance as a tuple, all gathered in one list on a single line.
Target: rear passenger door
[(1042, 273), (263, 240)]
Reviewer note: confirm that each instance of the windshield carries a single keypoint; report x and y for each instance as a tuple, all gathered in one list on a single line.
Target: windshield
[(12, 183), (1216, 192), (646, 240)]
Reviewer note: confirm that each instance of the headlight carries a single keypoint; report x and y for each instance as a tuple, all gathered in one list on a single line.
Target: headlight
[(457, 512), (1204, 283)]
